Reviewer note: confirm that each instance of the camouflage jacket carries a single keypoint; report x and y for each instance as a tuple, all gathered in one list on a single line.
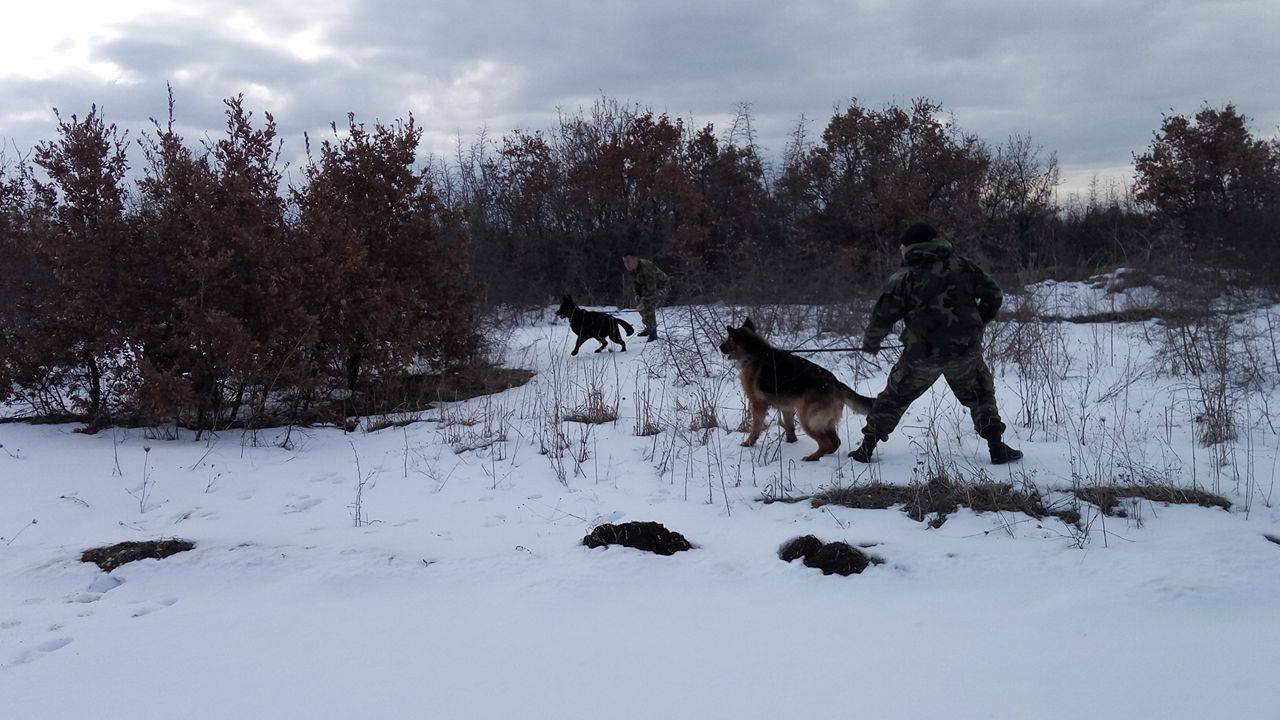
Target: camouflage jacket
[(650, 281), (944, 298)]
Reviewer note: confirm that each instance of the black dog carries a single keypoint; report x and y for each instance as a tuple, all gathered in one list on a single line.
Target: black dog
[(588, 324)]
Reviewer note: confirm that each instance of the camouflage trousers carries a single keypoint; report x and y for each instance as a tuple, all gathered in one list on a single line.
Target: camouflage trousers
[(969, 377), (648, 309)]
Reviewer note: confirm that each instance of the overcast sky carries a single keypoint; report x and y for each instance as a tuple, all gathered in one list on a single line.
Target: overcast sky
[(1087, 79)]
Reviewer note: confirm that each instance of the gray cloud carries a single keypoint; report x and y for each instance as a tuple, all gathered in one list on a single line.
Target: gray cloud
[(1088, 79)]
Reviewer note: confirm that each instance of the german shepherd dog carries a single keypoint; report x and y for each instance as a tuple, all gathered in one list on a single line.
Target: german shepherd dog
[(776, 378), (588, 324)]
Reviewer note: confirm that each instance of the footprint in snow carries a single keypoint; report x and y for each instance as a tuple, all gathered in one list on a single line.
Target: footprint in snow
[(42, 649), (49, 646), (9, 624), (154, 607), (103, 584), (303, 505), (144, 611)]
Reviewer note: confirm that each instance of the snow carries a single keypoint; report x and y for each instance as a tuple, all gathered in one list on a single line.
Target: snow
[(468, 595), (1119, 290)]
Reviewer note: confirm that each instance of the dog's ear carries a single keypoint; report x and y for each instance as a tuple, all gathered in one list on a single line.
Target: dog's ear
[(749, 325), (733, 331)]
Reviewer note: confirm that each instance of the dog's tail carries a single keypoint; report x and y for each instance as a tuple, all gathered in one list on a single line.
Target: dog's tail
[(625, 326), (855, 401)]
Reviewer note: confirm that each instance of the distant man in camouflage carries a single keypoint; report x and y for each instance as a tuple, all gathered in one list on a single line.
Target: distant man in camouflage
[(651, 286), (945, 301)]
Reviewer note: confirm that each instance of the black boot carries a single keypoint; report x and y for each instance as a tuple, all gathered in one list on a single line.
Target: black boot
[(863, 452), (1001, 453)]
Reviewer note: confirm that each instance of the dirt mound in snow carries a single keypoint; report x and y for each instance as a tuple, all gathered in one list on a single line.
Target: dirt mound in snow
[(110, 557), (836, 558), (801, 547), (840, 559), (650, 536)]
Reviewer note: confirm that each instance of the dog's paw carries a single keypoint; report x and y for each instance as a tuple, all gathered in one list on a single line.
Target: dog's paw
[(811, 458), (746, 443), (792, 438)]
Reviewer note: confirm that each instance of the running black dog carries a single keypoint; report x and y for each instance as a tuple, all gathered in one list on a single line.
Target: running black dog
[(588, 324)]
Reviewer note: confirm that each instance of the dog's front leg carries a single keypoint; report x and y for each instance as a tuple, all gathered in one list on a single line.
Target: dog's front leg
[(789, 424), (757, 424), (578, 345)]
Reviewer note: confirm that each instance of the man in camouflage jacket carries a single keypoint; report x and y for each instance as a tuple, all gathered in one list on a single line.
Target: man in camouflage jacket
[(651, 286), (945, 301)]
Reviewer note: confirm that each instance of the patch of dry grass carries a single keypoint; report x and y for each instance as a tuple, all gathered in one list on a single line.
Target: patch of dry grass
[(1108, 497), (111, 557), (940, 497), (595, 411)]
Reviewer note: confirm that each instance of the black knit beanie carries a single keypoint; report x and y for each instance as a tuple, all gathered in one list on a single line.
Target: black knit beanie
[(918, 233)]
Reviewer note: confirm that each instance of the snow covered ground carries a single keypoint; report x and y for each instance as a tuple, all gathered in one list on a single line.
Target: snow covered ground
[(464, 591)]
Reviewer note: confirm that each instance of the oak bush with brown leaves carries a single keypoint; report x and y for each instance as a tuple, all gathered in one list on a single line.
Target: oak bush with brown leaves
[(206, 297)]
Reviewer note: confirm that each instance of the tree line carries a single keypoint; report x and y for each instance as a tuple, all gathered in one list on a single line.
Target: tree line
[(200, 289), (820, 222), (560, 204)]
